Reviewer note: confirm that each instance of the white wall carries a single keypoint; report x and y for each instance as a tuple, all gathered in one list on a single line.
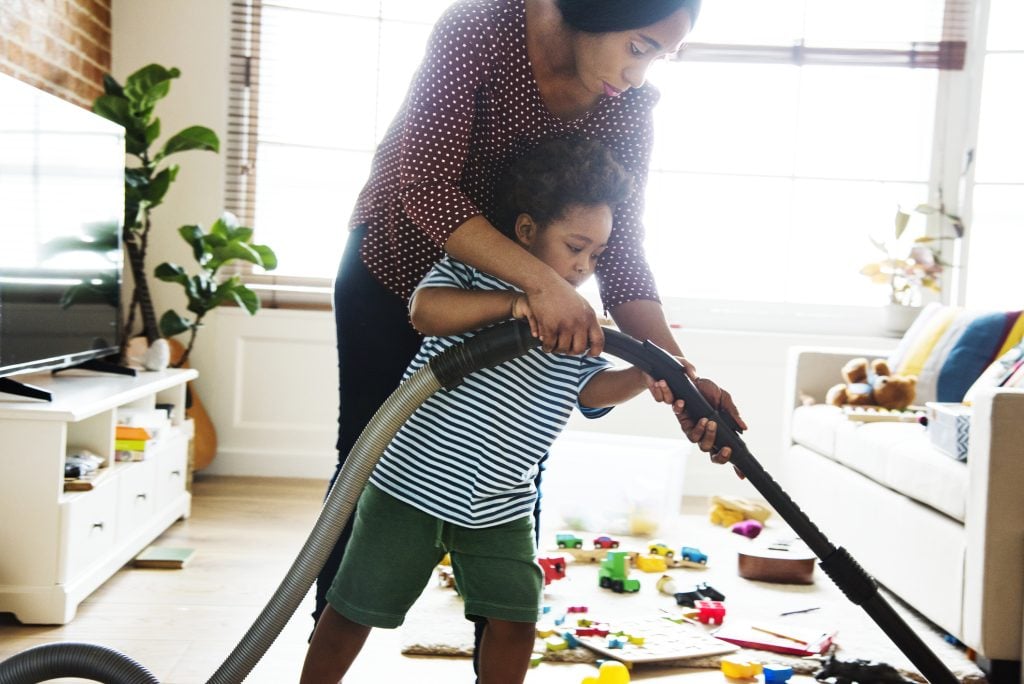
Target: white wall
[(271, 390), (193, 36), (269, 382)]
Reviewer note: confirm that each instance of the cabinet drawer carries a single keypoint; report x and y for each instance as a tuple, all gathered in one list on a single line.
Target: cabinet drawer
[(136, 498), (89, 529), (171, 470)]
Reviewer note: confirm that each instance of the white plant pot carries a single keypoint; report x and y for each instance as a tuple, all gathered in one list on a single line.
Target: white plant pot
[(899, 317)]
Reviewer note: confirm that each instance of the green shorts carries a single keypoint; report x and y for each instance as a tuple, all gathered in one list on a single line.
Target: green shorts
[(395, 547)]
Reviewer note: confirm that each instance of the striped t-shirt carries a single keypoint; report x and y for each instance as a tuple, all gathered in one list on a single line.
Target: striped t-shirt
[(469, 456)]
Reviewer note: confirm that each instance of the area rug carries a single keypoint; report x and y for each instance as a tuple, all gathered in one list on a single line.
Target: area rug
[(436, 625)]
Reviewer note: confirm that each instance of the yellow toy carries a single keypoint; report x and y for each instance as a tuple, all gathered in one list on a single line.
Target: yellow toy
[(740, 669), (610, 672), (650, 562), (729, 510)]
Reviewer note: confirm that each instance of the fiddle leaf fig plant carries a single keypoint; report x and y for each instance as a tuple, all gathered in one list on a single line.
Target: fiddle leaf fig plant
[(226, 243), (147, 175)]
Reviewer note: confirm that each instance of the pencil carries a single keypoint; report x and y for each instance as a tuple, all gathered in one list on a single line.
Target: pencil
[(802, 610), (779, 634)]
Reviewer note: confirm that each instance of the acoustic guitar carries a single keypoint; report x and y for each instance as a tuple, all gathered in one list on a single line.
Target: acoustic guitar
[(786, 561)]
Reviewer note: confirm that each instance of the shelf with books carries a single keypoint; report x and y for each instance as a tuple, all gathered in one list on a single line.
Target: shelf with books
[(61, 544)]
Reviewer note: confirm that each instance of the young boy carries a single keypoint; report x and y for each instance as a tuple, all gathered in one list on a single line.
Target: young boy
[(458, 477)]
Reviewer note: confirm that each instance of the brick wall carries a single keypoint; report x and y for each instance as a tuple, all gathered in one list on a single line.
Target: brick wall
[(60, 46)]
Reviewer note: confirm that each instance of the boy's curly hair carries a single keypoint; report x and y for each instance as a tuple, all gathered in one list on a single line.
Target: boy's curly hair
[(558, 174)]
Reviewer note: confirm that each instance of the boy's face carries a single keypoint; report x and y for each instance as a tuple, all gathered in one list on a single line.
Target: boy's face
[(572, 244)]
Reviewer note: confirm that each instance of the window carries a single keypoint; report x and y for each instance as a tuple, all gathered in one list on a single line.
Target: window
[(785, 140), (997, 202)]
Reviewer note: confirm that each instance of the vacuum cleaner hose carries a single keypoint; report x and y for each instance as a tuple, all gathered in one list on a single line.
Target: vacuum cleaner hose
[(69, 659)]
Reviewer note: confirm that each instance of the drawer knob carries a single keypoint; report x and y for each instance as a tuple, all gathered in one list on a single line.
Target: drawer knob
[(141, 496), (97, 525)]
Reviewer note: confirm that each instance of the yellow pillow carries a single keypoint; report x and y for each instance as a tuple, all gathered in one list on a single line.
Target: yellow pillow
[(923, 343)]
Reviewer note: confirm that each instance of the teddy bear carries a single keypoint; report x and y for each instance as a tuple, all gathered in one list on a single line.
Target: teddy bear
[(872, 384)]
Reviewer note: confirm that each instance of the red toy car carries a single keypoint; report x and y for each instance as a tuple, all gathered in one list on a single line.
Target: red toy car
[(605, 542), (710, 612)]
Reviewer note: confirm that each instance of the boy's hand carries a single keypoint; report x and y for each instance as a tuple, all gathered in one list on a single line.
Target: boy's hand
[(659, 390), (521, 310), (702, 432)]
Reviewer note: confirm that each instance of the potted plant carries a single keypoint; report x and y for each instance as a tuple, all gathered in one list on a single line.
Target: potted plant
[(226, 243), (148, 176), (912, 265)]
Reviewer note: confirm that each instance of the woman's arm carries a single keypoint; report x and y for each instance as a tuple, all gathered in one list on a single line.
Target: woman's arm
[(566, 323), (444, 311), (434, 141)]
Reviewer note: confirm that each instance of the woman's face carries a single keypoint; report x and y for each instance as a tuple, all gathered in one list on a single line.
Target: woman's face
[(611, 63), (572, 244)]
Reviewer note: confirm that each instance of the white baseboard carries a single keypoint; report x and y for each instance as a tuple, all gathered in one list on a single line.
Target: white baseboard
[(309, 465)]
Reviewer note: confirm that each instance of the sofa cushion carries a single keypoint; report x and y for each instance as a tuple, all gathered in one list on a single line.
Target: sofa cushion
[(814, 427), (902, 457), (897, 455)]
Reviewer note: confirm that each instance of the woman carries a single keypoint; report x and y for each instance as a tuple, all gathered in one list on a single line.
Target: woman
[(499, 77)]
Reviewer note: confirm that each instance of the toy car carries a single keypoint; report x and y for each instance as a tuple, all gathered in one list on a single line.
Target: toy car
[(605, 542), (614, 573), (692, 554), (568, 541), (710, 612), (660, 548)]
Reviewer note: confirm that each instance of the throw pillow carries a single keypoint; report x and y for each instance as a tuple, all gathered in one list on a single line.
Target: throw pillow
[(1000, 372), (928, 376), (977, 348), (910, 338)]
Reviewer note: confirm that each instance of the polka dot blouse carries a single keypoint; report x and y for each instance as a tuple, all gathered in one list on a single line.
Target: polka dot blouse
[(472, 108)]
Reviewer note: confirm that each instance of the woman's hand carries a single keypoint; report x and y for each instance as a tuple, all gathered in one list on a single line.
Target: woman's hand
[(566, 322)]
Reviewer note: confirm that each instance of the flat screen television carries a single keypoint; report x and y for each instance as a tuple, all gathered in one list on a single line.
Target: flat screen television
[(61, 212)]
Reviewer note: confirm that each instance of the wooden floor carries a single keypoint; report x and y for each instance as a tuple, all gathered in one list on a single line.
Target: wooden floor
[(181, 624)]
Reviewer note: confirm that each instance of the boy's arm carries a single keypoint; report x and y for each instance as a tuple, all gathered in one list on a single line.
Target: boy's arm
[(442, 311), (614, 386)]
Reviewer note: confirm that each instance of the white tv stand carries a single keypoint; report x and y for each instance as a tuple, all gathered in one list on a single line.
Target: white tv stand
[(57, 547)]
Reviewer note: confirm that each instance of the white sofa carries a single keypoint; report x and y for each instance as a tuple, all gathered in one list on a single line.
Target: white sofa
[(945, 536)]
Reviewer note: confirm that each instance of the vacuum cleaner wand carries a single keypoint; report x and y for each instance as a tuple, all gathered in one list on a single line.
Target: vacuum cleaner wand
[(848, 575)]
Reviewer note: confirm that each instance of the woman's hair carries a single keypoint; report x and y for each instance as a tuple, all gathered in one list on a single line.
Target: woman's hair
[(607, 16), (556, 175)]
